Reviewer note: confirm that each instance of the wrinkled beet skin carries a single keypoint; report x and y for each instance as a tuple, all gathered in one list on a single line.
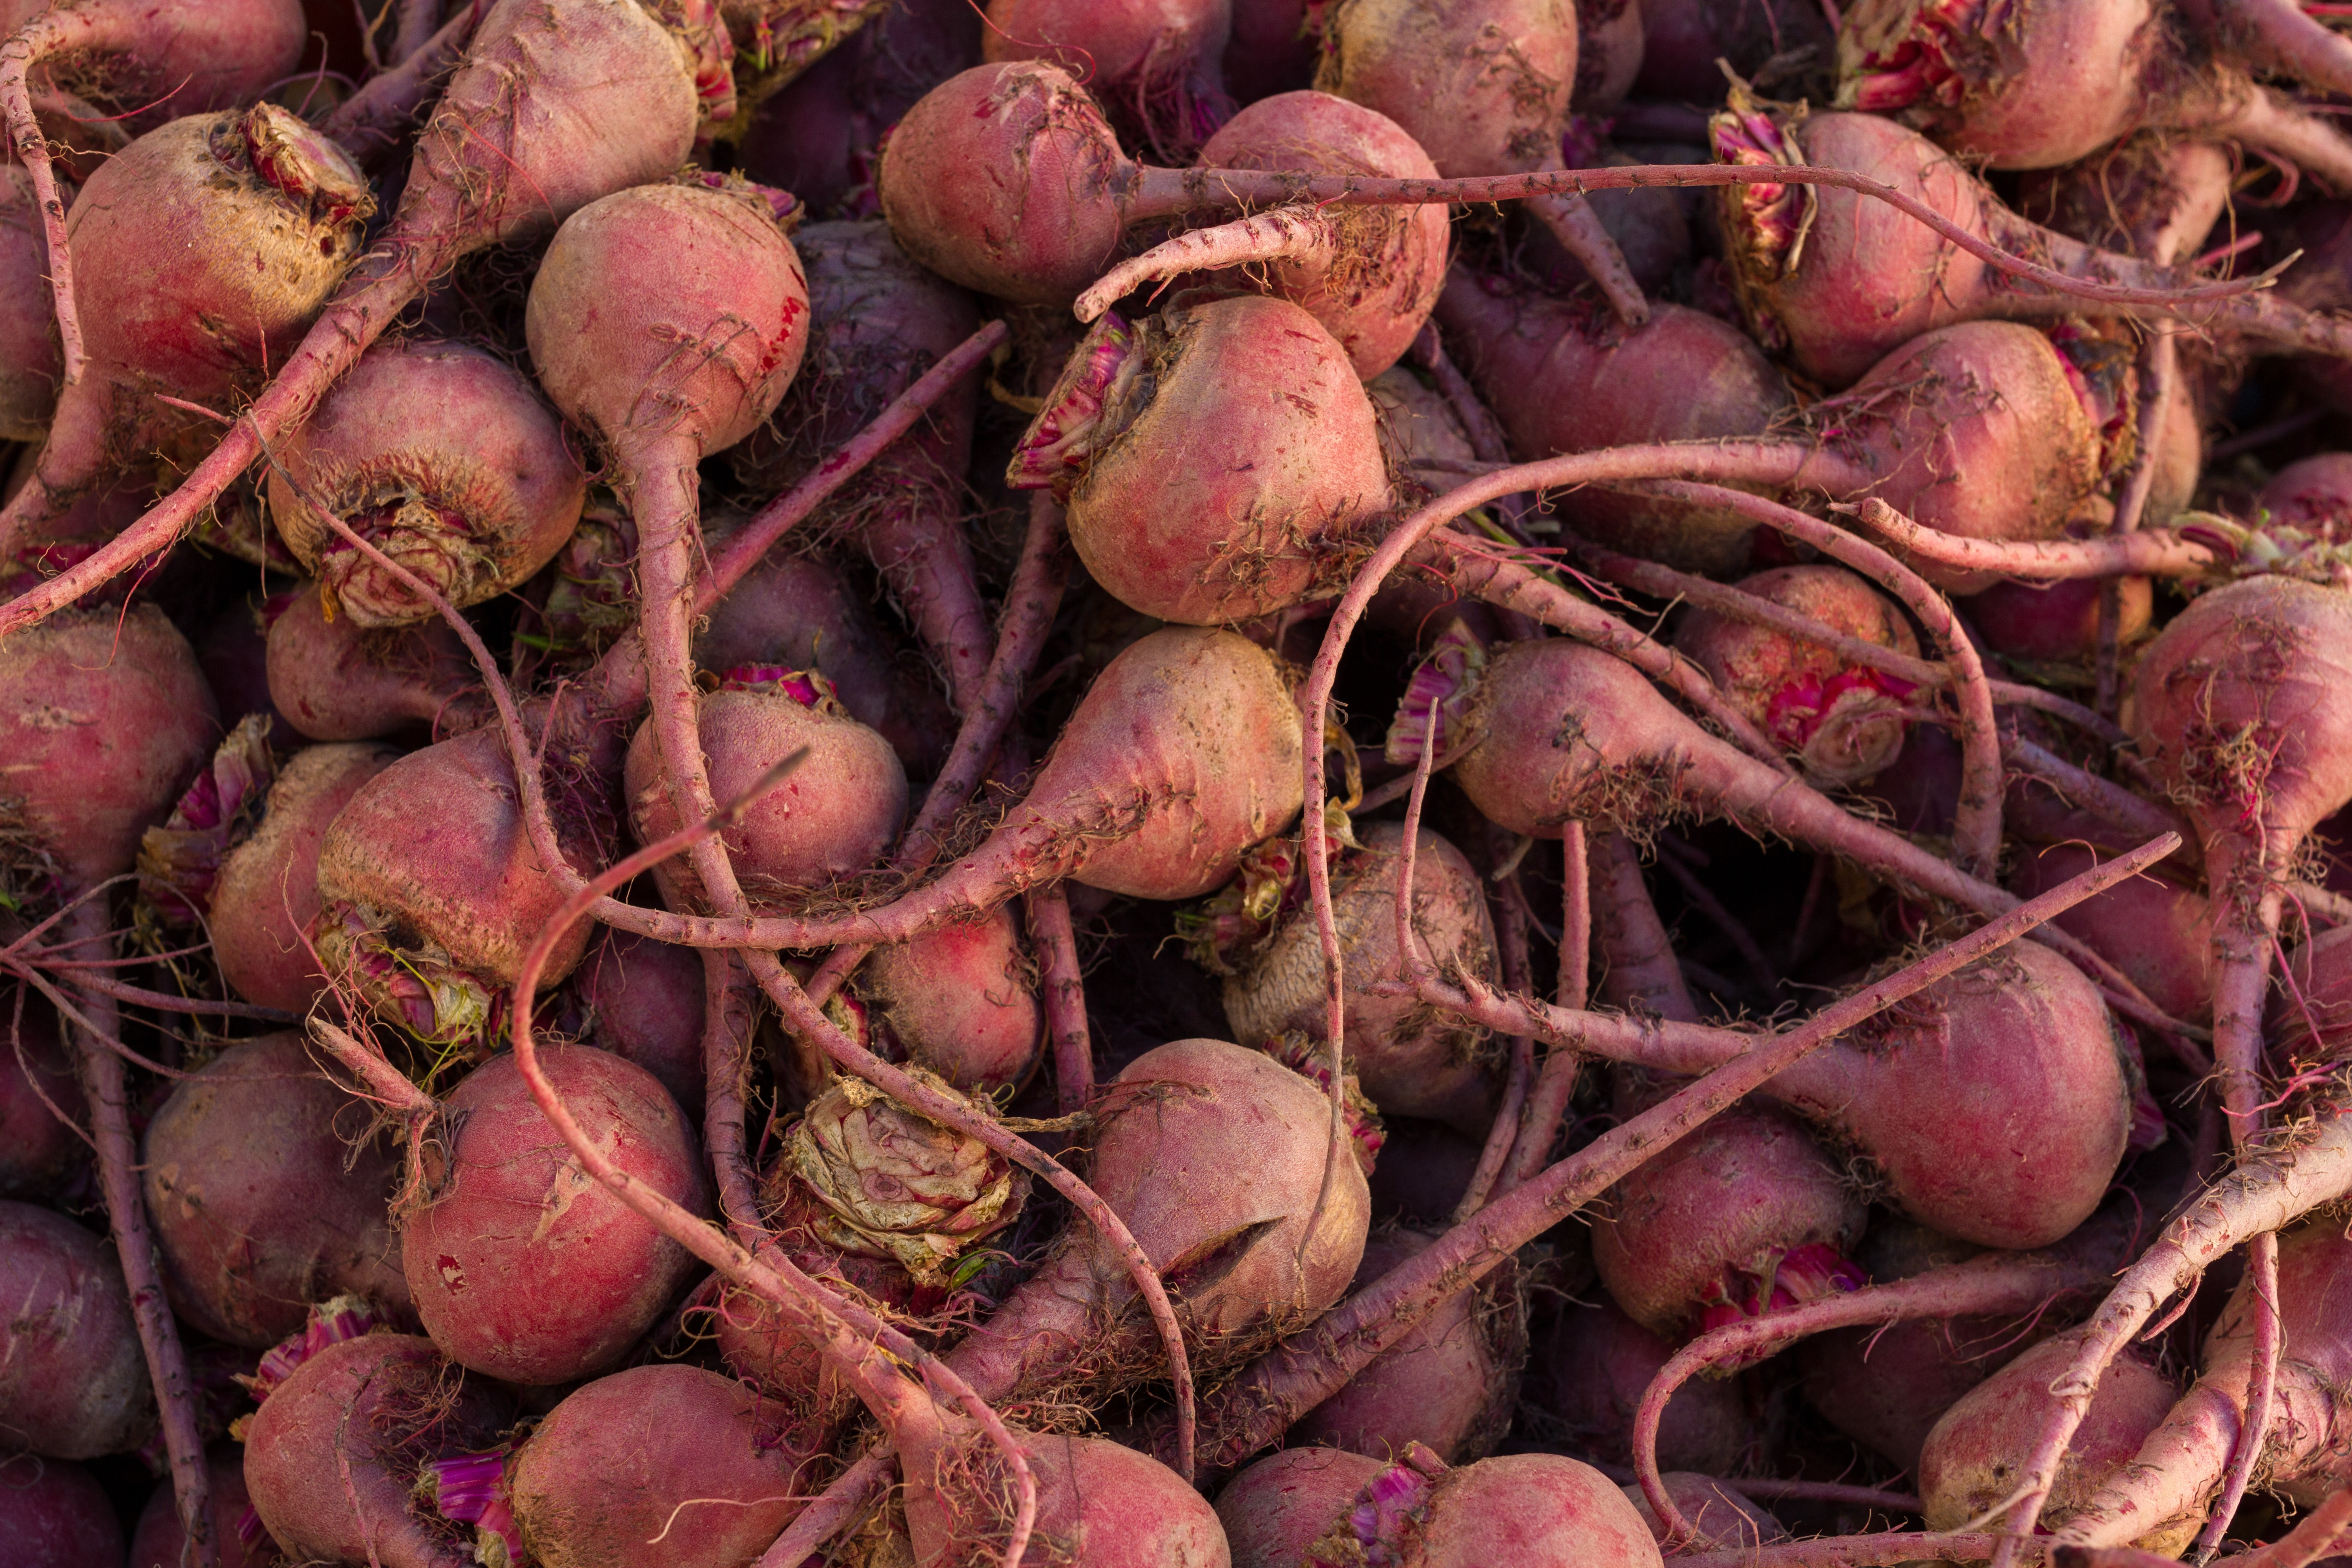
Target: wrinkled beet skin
[(1409, 1061), (1449, 1385), (73, 1379), (657, 1467), (267, 891), (39, 1152), (329, 1460), (520, 1265), (1233, 1247), (260, 1208), (56, 1515), (142, 722)]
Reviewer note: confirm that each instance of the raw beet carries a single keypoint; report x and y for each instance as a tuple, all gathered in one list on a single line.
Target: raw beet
[(2150, 927), (267, 893), (1213, 1157), (263, 1206), (78, 796), (1841, 722), (430, 891), (2055, 623), (335, 679), (333, 1454), (1408, 1060), (39, 1152), (1586, 1372), (659, 1465), (800, 612), (1723, 1518), (31, 362), (1563, 378), (962, 1002), (645, 1002), (73, 1379), (157, 1540), (1298, 460), (1155, 65), (56, 1515), (1450, 1383), (444, 457), (831, 818), (521, 1266)]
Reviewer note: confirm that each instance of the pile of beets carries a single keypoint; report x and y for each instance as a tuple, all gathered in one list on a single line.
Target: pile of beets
[(1175, 783)]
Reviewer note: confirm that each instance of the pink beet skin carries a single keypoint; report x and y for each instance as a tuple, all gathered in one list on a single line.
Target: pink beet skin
[(1587, 1374), (332, 1455), (1154, 64), (1210, 491), (1450, 1383), (268, 890), (2152, 929), (56, 1515), (1375, 297), (73, 1379), (79, 794), (645, 1001), (657, 1467), (1197, 1115), (260, 1208), (339, 680), (520, 1266), (443, 457), (962, 1002)]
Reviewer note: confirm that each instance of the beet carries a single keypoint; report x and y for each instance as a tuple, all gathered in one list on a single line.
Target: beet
[(39, 1152), (73, 1380), (335, 679), (645, 1002), (962, 1002), (56, 1515), (260, 1208)]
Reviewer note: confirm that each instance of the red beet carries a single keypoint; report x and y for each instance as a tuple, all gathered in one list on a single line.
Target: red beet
[(339, 680), (1587, 1372), (430, 892), (28, 334), (73, 1380), (644, 1005), (2152, 929), (1213, 1159), (1451, 1384), (445, 459), (157, 1540), (1155, 63), (962, 1002), (333, 1454), (520, 1265), (1204, 542), (1408, 1060), (267, 893), (663, 1465), (260, 1208), (56, 1515)]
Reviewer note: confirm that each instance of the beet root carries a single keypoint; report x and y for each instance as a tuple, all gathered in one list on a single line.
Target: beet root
[(1236, 1254), (260, 1210), (1587, 1372), (339, 680), (1298, 461), (73, 1379), (77, 794), (522, 1267), (2152, 930), (431, 892), (39, 1151), (1154, 65), (645, 1003), (333, 1456), (444, 457), (267, 893), (962, 1002), (1408, 1060), (1450, 1384), (666, 1465)]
